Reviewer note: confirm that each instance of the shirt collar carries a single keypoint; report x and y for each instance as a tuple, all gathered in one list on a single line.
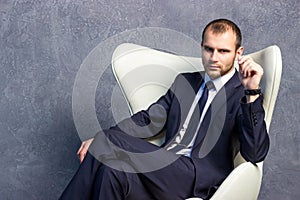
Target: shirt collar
[(221, 81)]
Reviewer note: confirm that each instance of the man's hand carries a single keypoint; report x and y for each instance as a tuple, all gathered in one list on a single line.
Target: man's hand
[(83, 149), (250, 74)]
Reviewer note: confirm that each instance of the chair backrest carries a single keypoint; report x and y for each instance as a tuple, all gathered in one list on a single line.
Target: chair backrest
[(145, 74), (270, 59)]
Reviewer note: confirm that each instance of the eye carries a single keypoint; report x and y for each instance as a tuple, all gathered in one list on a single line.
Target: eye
[(224, 51), (206, 48)]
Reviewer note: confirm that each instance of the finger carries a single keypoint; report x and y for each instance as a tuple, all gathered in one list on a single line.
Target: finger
[(247, 68), (252, 70), (244, 62), (244, 59), (80, 148), (243, 69), (82, 155), (240, 66), (239, 57), (241, 73)]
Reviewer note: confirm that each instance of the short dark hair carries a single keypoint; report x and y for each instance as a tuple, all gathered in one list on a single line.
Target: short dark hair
[(222, 26)]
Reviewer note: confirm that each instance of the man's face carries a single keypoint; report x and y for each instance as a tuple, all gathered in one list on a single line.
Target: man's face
[(219, 52)]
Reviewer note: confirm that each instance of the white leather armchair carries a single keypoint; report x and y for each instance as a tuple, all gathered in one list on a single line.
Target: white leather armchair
[(145, 74)]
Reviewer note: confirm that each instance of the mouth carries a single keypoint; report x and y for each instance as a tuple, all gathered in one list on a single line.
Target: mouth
[(214, 67)]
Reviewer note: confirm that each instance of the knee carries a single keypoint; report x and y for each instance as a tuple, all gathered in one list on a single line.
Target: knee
[(115, 172)]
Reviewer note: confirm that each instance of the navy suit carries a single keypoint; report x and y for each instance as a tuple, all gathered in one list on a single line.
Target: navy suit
[(228, 126)]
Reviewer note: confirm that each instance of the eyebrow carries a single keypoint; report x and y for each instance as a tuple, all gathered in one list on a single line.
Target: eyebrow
[(221, 49)]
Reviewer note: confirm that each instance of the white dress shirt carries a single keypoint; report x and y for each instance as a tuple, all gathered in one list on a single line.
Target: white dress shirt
[(218, 83)]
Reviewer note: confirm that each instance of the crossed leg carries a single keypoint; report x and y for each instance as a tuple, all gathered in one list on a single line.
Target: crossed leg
[(120, 166)]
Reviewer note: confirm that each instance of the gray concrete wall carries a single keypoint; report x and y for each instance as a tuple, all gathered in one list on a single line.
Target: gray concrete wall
[(43, 43)]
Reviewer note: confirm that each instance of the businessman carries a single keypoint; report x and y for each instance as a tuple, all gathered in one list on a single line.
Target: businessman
[(208, 117)]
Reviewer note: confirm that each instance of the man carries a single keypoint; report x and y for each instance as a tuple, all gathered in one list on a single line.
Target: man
[(201, 138)]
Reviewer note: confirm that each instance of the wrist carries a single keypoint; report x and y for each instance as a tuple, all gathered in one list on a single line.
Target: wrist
[(252, 92)]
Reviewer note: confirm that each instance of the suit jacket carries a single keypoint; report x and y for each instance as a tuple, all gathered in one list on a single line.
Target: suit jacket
[(229, 125)]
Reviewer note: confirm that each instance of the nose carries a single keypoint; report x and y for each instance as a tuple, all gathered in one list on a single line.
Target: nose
[(214, 56)]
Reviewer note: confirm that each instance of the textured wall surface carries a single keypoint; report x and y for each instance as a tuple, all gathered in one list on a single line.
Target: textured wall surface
[(43, 44)]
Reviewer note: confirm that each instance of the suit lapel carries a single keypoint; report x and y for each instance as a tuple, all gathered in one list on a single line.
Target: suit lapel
[(225, 93), (213, 122)]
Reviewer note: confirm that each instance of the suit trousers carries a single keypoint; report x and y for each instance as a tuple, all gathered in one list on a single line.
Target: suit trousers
[(109, 173)]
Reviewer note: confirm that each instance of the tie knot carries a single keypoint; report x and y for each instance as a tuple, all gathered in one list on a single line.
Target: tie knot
[(210, 85)]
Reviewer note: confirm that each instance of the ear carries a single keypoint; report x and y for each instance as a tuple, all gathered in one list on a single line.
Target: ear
[(239, 52)]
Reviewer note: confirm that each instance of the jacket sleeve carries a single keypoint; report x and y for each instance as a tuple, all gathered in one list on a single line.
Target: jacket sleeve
[(254, 139), (150, 122)]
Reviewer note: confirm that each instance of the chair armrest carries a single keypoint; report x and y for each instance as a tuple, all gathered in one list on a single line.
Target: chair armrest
[(242, 183)]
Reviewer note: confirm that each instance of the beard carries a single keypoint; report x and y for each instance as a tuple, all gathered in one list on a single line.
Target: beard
[(216, 73)]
